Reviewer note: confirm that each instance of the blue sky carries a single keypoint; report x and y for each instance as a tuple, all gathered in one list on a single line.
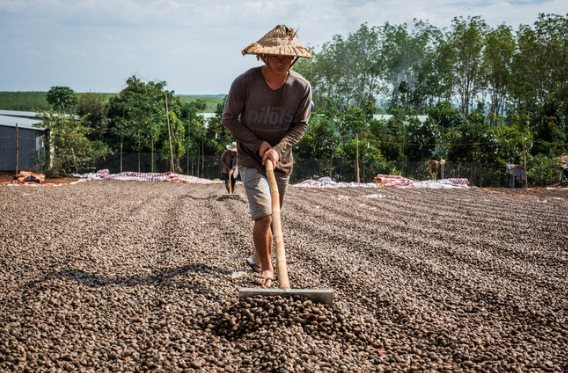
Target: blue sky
[(194, 45)]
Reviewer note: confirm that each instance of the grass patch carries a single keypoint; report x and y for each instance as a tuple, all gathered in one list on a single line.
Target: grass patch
[(36, 101)]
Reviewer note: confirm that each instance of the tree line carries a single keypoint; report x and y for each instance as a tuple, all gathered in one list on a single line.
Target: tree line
[(492, 95), (143, 118)]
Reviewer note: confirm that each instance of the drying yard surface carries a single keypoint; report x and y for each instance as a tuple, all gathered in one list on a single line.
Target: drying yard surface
[(136, 276)]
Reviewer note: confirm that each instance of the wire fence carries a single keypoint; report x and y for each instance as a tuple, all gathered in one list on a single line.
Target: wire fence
[(209, 167), (478, 174)]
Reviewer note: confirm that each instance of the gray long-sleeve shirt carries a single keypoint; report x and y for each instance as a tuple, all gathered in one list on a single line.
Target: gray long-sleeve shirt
[(255, 113)]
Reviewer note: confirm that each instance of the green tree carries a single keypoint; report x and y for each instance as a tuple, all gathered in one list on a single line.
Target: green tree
[(217, 134), (525, 71), (371, 161), (406, 54), (346, 72), (176, 141), (61, 99), (470, 143), (93, 108), (543, 170), (422, 138), (497, 62), (445, 115), (196, 134), (139, 119), (540, 65), (320, 143), (197, 140), (508, 142), (467, 40), (439, 77), (70, 149), (390, 136), (539, 84)]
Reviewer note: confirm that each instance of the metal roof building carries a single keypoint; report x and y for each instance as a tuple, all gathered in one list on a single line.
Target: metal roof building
[(21, 142)]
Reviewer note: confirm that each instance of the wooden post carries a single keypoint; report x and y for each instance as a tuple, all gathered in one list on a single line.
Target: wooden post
[(152, 163), (525, 134), (75, 161), (187, 160), (169, 136), (283, 280), (525, 164), (121, 141), (357, 178), (17, 149), (49, 146), (198, 158), (121, 138), (139, 151)]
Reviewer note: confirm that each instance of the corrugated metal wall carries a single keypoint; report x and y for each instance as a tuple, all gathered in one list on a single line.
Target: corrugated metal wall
[(31, 149)]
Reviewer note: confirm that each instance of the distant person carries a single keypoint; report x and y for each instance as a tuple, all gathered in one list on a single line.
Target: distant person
[(229, 170), (267, 111)]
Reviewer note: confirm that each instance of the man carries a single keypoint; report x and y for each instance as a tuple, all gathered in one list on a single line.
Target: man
[(267, 111), (229, 170)]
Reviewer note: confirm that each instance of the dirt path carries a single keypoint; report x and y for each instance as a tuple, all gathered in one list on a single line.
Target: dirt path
[(135, 276)]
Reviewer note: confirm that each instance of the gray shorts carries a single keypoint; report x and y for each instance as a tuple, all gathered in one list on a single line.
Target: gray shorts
[(258, 191)]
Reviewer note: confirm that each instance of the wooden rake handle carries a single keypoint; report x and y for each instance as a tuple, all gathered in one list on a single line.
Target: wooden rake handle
[(283, 281)]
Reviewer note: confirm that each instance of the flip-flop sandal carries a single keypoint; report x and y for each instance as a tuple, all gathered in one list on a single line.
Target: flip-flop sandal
[(258, 276), (251, 262)]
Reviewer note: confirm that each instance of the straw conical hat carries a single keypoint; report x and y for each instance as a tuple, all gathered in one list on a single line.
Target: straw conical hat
[(281, 40), (232, 146)]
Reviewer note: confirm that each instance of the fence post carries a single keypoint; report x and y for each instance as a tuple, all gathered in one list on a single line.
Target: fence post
[(169, 136), (17, 149), (357, 178), (525, 165)]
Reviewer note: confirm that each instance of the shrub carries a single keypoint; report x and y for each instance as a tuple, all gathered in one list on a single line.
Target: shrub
[(543, 170)]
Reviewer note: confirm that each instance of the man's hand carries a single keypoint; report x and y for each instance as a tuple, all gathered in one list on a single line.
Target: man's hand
[(272, 155), (266, 152), (263, 148)]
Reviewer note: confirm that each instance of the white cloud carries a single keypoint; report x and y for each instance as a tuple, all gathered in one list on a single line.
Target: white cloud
[(195, 44)]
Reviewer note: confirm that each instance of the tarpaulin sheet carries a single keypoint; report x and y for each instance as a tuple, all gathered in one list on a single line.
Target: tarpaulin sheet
[(327, 182), (392, 181), (460, 183), (387, 181), (148, 176)]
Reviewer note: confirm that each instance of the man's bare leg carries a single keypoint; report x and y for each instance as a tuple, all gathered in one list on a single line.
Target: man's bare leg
[(262, 237)]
